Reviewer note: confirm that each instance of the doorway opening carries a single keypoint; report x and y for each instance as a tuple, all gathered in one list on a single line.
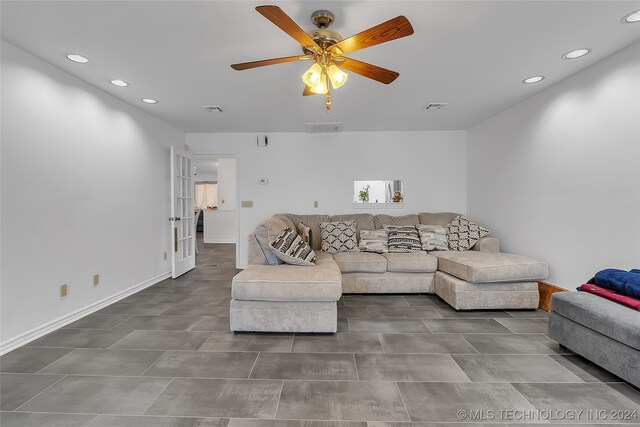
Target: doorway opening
[(215, 198)]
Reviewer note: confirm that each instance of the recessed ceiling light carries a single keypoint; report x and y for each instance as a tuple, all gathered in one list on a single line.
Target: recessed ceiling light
[(78, 58), (149, 101), (631, 18), (576, 53), (119, 83), (534, 79)]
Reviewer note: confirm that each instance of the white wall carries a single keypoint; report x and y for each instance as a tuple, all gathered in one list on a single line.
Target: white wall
[(303, 168), (85, 190), (227, 190), (558, 176), (206, 177), (220, 226)]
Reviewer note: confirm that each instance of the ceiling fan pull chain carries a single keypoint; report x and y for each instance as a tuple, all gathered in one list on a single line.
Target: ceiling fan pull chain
[(328, 103)]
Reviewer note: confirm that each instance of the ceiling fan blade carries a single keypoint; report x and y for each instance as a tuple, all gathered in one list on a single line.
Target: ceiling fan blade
[(374, 72), (307, 91), (286, 24), (392, 29), (272, 61)]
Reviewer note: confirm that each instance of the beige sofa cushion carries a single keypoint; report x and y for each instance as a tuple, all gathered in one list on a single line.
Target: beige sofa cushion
[(265, 232), (416, 262), (360, 262), (439, 218), (382, 219), (488, 267), (322, 282)]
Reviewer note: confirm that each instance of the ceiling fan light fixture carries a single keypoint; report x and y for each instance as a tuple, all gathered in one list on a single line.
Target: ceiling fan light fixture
[(321, 87), (337, 76), (312, 76)]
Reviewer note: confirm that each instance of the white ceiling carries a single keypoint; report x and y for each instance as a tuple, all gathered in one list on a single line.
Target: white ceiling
[(470, 54)]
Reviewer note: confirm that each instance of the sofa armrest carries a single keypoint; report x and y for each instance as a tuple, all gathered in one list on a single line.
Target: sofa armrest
[(256, 255), (487, 244)]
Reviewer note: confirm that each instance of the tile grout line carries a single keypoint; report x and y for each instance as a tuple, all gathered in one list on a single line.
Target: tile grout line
[(402, 400), (275, 414), (157, 396), (253, 366), (355, 362), (154, 362), (63, 377)]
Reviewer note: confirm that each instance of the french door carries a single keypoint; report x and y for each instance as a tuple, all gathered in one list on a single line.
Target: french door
[(183, 237)]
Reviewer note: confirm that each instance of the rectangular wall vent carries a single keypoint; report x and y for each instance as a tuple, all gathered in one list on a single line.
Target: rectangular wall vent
[(435, 106), (213, 108), (323, 127)]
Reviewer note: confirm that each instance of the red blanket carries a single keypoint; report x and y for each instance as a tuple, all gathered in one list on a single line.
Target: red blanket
[(610, 295)]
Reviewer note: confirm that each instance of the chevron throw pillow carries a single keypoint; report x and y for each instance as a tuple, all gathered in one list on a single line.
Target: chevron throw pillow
[(463, 233), (338, 236)]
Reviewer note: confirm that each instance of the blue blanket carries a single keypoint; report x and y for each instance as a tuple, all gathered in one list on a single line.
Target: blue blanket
[(620, 281)]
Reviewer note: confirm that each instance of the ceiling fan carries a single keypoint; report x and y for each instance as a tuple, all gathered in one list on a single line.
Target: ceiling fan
[(326, 48)]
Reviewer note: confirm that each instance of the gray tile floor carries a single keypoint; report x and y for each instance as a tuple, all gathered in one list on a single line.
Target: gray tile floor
[(165, 357)]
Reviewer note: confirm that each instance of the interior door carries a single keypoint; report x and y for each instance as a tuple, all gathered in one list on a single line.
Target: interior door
[(182, 217)]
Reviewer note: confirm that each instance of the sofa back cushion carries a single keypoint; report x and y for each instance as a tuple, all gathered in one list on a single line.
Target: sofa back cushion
[(363, 221), (311, 221), (439, 218), (381, 220), (265, 232)]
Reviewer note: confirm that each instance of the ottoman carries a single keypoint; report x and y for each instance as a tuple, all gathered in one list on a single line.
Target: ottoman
[(287, 298), (603, 331), (472, 280)]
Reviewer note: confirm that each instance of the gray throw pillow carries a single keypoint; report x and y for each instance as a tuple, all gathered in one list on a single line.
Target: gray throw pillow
[(403, 239), (463, 233), (374, 241), (433, 237), (290, 248), (338, 236)]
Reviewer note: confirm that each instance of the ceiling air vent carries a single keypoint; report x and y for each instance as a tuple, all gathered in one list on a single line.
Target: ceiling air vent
[(323, 127), (435, 106), (213, 108)]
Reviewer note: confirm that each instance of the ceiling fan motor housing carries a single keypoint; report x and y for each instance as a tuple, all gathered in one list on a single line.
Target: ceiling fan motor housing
[(322, 18), (323, 36)]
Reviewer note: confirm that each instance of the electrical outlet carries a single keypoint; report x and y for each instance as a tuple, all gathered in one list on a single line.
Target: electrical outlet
[(96, 279), (63, 290), (164, 255)]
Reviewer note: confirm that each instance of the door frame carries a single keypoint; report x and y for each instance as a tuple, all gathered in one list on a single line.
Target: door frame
[(206, 154)]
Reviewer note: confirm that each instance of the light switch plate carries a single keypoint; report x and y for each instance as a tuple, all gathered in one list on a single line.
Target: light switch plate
[(63, 290), (246, 203), (96, 279), (315, 204)]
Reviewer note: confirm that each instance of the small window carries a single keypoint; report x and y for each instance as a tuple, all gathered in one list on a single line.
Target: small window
[(378, 191)]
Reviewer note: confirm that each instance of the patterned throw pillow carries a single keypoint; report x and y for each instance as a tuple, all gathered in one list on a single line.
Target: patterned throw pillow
[(462, 233), (433, 237), (403, 239), (374, 241), (338, 236), (290, 248)]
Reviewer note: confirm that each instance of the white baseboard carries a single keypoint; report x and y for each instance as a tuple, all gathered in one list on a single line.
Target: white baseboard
[(33, 334)]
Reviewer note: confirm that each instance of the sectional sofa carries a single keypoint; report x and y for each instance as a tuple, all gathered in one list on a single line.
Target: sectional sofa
[(272, 297)]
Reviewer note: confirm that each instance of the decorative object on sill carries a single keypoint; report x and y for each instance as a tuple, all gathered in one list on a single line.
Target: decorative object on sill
[(397, 197), (326, 48), (364, 194)]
